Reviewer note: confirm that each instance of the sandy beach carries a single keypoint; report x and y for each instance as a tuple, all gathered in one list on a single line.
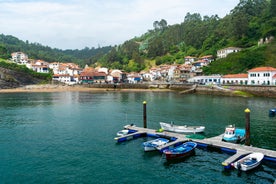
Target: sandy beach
[(63, 88)]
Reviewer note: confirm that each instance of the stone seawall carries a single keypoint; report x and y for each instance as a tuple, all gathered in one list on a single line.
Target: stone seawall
[(229, 90), (262, 91)]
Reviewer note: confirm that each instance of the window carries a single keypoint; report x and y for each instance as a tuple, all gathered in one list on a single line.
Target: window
[(266, 74)]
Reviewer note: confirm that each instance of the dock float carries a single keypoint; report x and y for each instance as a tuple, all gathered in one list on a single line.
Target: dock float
[(214, 143)]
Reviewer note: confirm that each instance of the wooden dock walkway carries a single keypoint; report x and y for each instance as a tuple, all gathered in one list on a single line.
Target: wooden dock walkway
[(216, 142)]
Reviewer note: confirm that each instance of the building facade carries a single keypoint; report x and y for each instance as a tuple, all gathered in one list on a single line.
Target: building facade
[(262, 76), (222, 53)]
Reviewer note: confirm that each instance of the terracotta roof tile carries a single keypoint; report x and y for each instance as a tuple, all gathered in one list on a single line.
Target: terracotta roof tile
[(262, 69), (241, 75)]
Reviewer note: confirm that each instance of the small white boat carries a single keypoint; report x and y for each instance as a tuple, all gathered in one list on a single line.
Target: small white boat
[(181, 129), (122, 133), (125, 132), (249, 162), (153, 144)]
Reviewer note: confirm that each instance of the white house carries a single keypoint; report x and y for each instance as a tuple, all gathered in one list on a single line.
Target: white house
[(116, 75), (65, 78), (224, 52), (65, 72), (134, 78), (146, 76), (262, 76), (156, 73), (54, 66), (189, 59), (171, 70), (19, 57)]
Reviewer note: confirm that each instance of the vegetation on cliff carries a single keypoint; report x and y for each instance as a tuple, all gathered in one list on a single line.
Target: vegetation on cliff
[(13, 75)]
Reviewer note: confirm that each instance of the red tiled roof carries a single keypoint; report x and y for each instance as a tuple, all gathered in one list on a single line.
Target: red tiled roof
[(99, 74), (61, 75), (92, 74), (262, 69), (86, 74), (240, 75)]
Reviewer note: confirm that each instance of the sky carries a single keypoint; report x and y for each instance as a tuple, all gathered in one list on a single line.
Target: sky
[(76, 24)]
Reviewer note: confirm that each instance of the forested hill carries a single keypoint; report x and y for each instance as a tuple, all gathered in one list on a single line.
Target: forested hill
[(197, 35), (9, 44)]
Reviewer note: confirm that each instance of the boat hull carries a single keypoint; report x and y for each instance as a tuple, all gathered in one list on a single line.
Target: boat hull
[(170, 156), (249, 162), (183, 151), (125, 132), (147, 148), (153, 144), (182, 129)]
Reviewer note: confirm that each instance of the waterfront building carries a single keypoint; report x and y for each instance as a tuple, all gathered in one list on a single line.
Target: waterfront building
[(239, 79), (262, 76), (210, 79)]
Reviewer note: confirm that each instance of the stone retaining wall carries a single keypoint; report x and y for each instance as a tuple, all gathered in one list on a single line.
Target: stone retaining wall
[(263, 91)]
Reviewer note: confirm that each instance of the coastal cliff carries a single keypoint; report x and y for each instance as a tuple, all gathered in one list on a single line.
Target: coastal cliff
[(14, 79)]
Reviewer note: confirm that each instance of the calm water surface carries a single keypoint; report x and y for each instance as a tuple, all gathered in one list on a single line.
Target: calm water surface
[(68, 137)]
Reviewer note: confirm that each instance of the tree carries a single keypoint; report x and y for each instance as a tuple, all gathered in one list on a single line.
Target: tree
[(4, 52), (160, 25), (273, 8), (163, 24)]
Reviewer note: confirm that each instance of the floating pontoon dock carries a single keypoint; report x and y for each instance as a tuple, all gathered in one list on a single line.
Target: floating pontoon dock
[(214, 143)]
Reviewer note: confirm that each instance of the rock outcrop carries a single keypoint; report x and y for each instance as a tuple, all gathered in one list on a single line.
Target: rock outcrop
[(13, 79)]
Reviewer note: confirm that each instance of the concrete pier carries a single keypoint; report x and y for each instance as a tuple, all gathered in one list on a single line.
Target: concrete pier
[(236, 150)]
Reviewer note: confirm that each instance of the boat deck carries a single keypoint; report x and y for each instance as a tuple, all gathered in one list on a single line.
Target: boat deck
[(238, 150)]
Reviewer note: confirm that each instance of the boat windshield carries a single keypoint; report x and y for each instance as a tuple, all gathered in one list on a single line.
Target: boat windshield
[(229, 131)]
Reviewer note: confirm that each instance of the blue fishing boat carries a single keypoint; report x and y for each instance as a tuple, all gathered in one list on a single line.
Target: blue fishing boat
[(182, 151), (153, 144), (233, 134)]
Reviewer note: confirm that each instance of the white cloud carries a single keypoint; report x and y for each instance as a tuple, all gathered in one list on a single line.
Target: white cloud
[(76, 24)]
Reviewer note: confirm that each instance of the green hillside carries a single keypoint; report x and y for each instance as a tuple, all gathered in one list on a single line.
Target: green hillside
[(244, 26), (197, 35), (9, 44)]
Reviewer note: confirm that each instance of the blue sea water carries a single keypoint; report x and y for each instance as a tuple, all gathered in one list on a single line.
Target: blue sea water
[(68, 137)]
